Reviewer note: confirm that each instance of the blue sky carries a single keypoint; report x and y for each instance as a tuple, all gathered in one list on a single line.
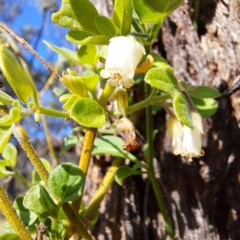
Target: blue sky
[(32, 16)]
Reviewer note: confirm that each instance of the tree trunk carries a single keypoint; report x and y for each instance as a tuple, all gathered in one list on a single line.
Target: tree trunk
[(203, 196)]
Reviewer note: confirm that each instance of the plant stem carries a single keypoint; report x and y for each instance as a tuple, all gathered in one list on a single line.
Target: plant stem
[(151, 173), (23, 179), (93, 206), (89, 140), (11, 215), (53, 112), (76, 222), (55, 160), (147, 102), (23, 139)]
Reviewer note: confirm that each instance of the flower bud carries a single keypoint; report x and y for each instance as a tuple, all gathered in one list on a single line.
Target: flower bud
[(122, 100), (127, 130)]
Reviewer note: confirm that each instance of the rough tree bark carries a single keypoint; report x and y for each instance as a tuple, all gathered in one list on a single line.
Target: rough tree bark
[(203, 197)]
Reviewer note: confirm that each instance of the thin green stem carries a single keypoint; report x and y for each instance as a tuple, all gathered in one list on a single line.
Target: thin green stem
[(53, 112), (147, 102), (12, 217), (149, 161), (23, 179), (94, 205)]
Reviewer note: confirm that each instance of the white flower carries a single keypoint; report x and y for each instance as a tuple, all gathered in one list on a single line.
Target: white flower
[(175, 129), (192, 140), (124, 54), (186, 141)]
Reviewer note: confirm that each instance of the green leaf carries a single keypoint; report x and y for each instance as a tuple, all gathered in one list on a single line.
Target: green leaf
[(155, 11), (5, 98), (75, 84), (35, 176), (13, 116), (5, 173), (111, 145), (29, 218), (85, 13), (66, 181), (203, 92), (181, 109), (88, 55), (65, 16), (71, 100), (105, 26), (91, 82), (122, 15), (15, 75), (66, 53), (160, 62), (88, 113), (39, 201), (10, 153), (9, 236), (206, 107), (83, 37), (163, 79), (124, 172), (5, 134), (69, 142)]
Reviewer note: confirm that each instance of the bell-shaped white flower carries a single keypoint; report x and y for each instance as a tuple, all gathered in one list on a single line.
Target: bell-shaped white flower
[(124, 54), (175, 130), (192, 140)]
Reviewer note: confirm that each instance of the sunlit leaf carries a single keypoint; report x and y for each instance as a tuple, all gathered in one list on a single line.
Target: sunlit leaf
[(163, 79), (39, 201), (111, 145), (15, 75), (66, 53), (10, 153), (88, 55), (66, 181), (155, 11), (181, 109), (13, 116), (65, 17), (88, 113), (122, 15), (85, 13), (5, 134), (83, 37), (5, 98), (105, 26)]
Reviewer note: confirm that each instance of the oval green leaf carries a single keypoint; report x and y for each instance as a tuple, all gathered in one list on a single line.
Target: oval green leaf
[(203, 92), (13, 116), (88, 113), (10, 153), (88, 55), (206, 107), (65, 17), (85, 13), (15, 75), (111, 145), (154, 11), (105, 26), (39, 201), (5, 98), (66, 181), (181, 109), (122, 15), (163, 79), (5, 134), (124, 172), (66, 53)]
